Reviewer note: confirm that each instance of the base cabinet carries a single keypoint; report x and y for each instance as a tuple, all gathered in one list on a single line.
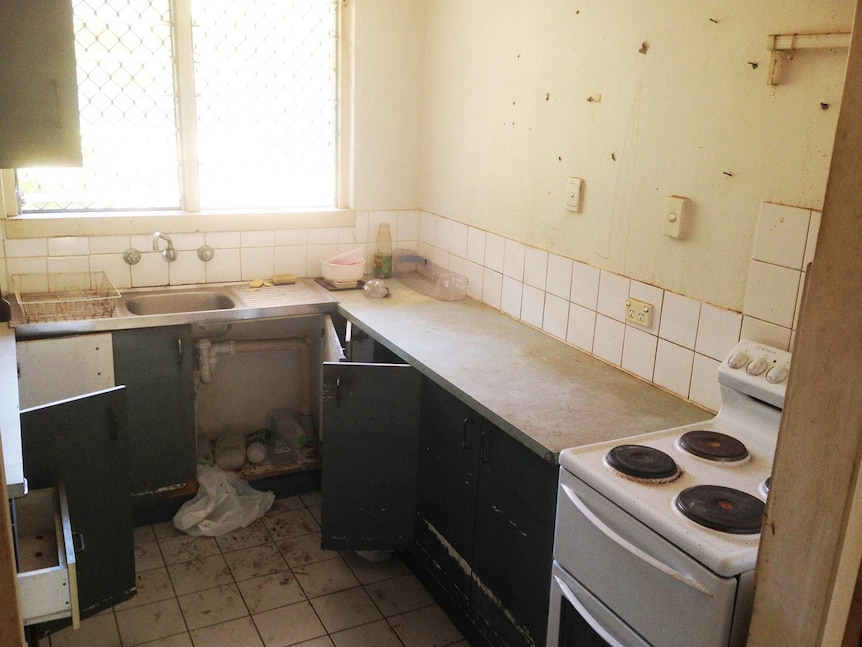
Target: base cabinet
[(485, 521), (157, 367), (80, 447)]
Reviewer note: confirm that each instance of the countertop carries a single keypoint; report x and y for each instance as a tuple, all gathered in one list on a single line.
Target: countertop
[(545, 393)]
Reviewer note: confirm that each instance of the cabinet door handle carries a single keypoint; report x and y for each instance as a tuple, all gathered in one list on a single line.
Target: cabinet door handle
[(78, 542), (465, 436), (482, 449), (180, 351), (113, 423)]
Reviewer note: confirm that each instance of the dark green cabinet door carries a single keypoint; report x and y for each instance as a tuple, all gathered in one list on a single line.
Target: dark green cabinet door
[(82, 445), (157, 367), (514, 536), (369, 437)]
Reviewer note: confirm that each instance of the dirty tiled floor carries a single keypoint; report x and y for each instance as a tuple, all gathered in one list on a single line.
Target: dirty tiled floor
[(267, 585)]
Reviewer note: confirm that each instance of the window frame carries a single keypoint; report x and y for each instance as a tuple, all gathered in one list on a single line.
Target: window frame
[(191, 217)]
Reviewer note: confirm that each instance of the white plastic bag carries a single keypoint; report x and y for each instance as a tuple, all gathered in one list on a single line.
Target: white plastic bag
[(223, 503)]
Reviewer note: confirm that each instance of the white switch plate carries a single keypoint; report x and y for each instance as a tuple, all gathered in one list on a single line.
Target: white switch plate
[(675, 216), (639, 312), (574, 190)]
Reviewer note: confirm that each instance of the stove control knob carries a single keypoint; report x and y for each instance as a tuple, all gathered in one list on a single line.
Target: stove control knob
[(756, 366), (777, 374), (737, 360)]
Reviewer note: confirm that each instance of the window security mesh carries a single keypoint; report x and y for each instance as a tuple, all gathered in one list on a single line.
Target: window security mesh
[(265, 95)]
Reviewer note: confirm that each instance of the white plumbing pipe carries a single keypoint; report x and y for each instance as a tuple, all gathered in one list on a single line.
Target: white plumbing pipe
[(208, 353)]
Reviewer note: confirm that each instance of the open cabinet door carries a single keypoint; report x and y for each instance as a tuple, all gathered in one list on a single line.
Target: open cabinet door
[(369, 436), (81, 444)]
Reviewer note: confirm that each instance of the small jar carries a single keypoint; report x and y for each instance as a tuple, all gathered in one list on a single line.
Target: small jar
[(383, 252)]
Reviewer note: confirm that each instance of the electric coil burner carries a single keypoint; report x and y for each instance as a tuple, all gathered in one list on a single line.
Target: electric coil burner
[(642, 463), (722, 508), (657, 535), (713, 445)]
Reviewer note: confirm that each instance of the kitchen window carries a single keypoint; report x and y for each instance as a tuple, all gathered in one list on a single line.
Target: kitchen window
[(200, 105)]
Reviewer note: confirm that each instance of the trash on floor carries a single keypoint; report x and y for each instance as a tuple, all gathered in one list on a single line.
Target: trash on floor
[(223, 503)]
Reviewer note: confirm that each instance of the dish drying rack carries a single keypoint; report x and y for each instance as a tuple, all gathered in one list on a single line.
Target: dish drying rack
[(65, 296)]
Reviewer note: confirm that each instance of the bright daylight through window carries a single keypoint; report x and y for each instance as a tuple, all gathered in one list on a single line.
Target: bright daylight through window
[(237, 112)]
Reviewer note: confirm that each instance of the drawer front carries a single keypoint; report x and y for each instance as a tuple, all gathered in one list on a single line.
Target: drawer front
[(47, 583)]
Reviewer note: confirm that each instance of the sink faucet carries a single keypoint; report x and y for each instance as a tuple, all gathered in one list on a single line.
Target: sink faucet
[(170, 253)]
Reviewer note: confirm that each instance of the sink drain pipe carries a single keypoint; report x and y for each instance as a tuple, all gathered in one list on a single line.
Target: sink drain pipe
[(208, 353)]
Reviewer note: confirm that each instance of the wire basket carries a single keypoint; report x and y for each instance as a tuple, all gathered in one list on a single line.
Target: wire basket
[(65, 296)]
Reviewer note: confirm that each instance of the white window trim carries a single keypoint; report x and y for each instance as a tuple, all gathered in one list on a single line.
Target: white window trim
[(106, 223)]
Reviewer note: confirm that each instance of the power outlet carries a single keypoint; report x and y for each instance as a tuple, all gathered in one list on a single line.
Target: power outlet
[(639, 312)]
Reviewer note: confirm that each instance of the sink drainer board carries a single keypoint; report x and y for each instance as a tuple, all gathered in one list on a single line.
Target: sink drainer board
[(276, 295), (65, 296)]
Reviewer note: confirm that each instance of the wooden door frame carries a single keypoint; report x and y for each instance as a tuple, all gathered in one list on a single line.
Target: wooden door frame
[(811, 544)]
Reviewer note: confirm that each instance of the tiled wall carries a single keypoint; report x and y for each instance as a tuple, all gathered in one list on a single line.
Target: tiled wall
[(572, 301)]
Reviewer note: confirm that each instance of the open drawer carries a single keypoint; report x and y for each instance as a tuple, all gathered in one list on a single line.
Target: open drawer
[(47, 578)]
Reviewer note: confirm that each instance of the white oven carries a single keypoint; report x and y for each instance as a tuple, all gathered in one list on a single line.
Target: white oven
[(656, 535)]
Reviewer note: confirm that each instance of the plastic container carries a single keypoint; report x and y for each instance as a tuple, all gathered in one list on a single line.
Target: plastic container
[(285, 431), (230, 451), (383, 252)]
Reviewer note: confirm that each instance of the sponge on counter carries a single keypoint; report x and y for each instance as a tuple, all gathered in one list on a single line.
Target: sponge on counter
[(283, 279)]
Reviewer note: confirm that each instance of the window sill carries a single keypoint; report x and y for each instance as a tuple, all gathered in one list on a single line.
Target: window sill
[(145, 222)]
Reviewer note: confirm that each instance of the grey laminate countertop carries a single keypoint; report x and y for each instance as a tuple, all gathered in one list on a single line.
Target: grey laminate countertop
[(540, 390)]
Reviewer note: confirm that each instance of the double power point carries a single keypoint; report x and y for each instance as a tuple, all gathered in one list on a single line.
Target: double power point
[(639, 312)]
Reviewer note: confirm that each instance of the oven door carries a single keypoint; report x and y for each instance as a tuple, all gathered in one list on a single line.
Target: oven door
[(579, 619)]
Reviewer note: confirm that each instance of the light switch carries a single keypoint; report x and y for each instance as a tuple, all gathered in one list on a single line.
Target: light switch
[(574, 189), (675, 216)]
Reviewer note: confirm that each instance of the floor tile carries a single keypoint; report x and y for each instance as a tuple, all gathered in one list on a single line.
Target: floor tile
[(165, 529), (315, 511), (199, 574), (299, 551), (256, 561), (425, 627), (143, 533), (291, 523), (271, 591), (254, 534), (367, 572), (179, 640), (234, 633), (288, 625), (399, 595), (98, 631), (184, 548), (150, 622), (322, 578), (212, 606), (323, 641), (152, 586), (379, 634), (147, 556), (311, 499), (285, 504), (345, 609)]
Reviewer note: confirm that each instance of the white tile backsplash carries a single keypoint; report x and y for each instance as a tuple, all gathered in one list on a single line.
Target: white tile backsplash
[(781, 235), (556, 316), (608, 339), (771, 293), (513, 259), (510, 301), (679, 317), (533, 306), (495, 247), (559, 279), (639, 351), (568, 299), (717, 332), (58, 264), (582, 327), (613, 292), (673, 365)]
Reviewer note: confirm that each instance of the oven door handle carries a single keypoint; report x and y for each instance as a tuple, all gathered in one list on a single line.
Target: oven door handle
[(631, 548), (588, 618)]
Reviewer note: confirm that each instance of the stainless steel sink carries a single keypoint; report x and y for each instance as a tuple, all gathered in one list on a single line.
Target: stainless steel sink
[(162, 303)]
